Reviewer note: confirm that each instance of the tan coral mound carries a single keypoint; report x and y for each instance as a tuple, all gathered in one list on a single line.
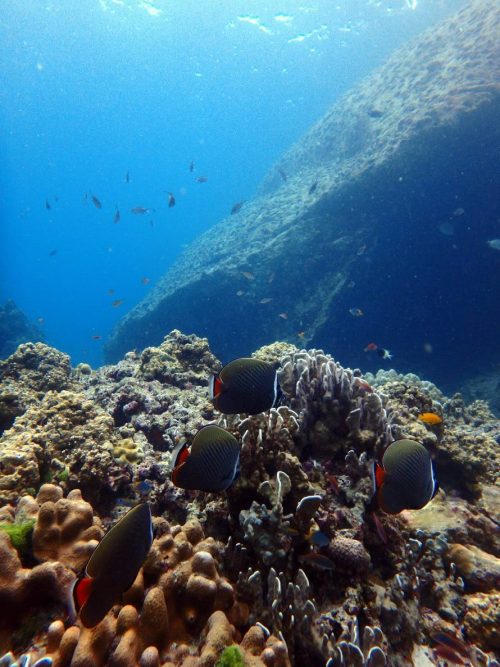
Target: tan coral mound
[(66, 435)]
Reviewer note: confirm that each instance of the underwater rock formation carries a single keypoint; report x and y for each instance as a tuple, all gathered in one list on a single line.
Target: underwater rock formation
[(15, 328), (292, 565), (400, 154)]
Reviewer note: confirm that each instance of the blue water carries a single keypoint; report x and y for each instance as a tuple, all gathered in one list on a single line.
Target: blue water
[(92, 90)]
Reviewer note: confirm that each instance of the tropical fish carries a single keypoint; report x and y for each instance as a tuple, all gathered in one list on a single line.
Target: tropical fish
[(265, 300), (140, 210), (448, 654), (317, 560), (430, 418), (145, 281), (117, 217), (95, 201), (127, 177), (113, 566), (171, 200), (111, 291), (459, 211), (405, 480), (202, 179), (356, 312), (53, 252), (271, 278), (47, 205), (248, 275), (371, 347), (210, 464), (240, 292), (40, 320), (191, 166), (318, 538), (452, 641), (313, 187), (383, 353), (361, 250), (244, 385), (301, 335), (494, 243), (375, 113), (117, 303), (96, 337), (284, 316), (237, 207)]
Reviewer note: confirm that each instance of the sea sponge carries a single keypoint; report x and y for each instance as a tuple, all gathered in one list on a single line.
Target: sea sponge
[(350, 554)]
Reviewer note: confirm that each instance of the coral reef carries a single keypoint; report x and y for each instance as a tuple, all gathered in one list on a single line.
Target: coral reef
[(291, 565)]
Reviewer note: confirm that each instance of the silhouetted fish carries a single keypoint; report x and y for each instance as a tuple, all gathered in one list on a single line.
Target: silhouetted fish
[(47, 205), (191, 166), (113, 567), (237, 207), (202, 179), (171, 200), (245, 385), (95, 201), (284, 177), (117, 217), (210, 464), (140, 210), (313, 187), (405, 480)]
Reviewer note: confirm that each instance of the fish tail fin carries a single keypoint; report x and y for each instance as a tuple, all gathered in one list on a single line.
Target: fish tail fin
[(214, 387)]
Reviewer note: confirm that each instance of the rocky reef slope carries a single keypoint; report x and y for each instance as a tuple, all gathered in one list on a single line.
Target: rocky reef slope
[(233, 578), (359, 219)]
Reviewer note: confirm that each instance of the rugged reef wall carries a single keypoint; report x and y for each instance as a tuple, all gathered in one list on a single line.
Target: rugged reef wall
[(15, 328), (353, 215)]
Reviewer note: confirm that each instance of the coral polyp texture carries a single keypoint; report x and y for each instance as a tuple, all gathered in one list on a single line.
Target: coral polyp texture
[(292, 565)]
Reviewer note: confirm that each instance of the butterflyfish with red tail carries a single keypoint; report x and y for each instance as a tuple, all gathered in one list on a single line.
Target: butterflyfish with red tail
[(405, 480), (245, 385), (113, 566), (210, 464)]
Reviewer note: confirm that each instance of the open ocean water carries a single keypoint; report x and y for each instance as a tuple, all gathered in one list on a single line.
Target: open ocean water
[(115, 99)]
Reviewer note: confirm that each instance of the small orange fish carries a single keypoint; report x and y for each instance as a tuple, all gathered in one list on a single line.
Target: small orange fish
[(430, 418), (371, 347), (265, 300), (145, 281), (248, 275), (284, 316), (117, 303)]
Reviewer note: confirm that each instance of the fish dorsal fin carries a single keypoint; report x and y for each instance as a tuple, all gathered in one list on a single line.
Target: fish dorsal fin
[(136, 522), (207, 435)]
